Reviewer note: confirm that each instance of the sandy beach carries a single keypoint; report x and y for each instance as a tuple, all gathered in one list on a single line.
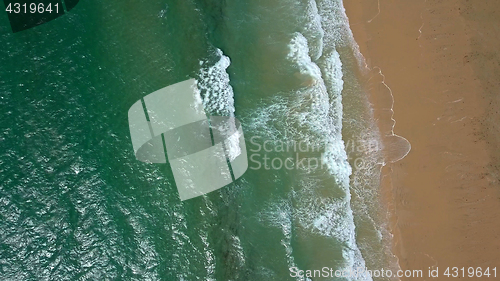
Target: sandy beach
[(440, 61)]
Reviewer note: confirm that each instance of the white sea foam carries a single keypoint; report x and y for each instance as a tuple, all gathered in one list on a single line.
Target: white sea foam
[(299, 53), (313, 30), (319, 107), (213, 82), (218, 97), (335, 21)]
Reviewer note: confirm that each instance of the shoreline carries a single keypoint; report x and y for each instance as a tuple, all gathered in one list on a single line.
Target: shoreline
[(443, 196)]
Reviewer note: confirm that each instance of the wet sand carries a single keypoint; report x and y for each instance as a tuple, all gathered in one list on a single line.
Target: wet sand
[(440, 61)]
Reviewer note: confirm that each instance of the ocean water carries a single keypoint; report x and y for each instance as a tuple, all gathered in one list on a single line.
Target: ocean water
[(75, 204)]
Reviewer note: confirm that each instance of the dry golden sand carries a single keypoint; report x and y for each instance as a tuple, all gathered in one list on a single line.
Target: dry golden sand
[(441, 60)]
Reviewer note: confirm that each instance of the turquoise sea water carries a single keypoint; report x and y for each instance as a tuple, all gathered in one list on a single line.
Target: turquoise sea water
[(75, 204)]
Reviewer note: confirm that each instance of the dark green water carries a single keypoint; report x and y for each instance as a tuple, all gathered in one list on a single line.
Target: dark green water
[(75, 204)]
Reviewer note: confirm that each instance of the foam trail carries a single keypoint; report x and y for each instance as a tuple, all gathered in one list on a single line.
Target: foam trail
[(217, 97), (378, 13)]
